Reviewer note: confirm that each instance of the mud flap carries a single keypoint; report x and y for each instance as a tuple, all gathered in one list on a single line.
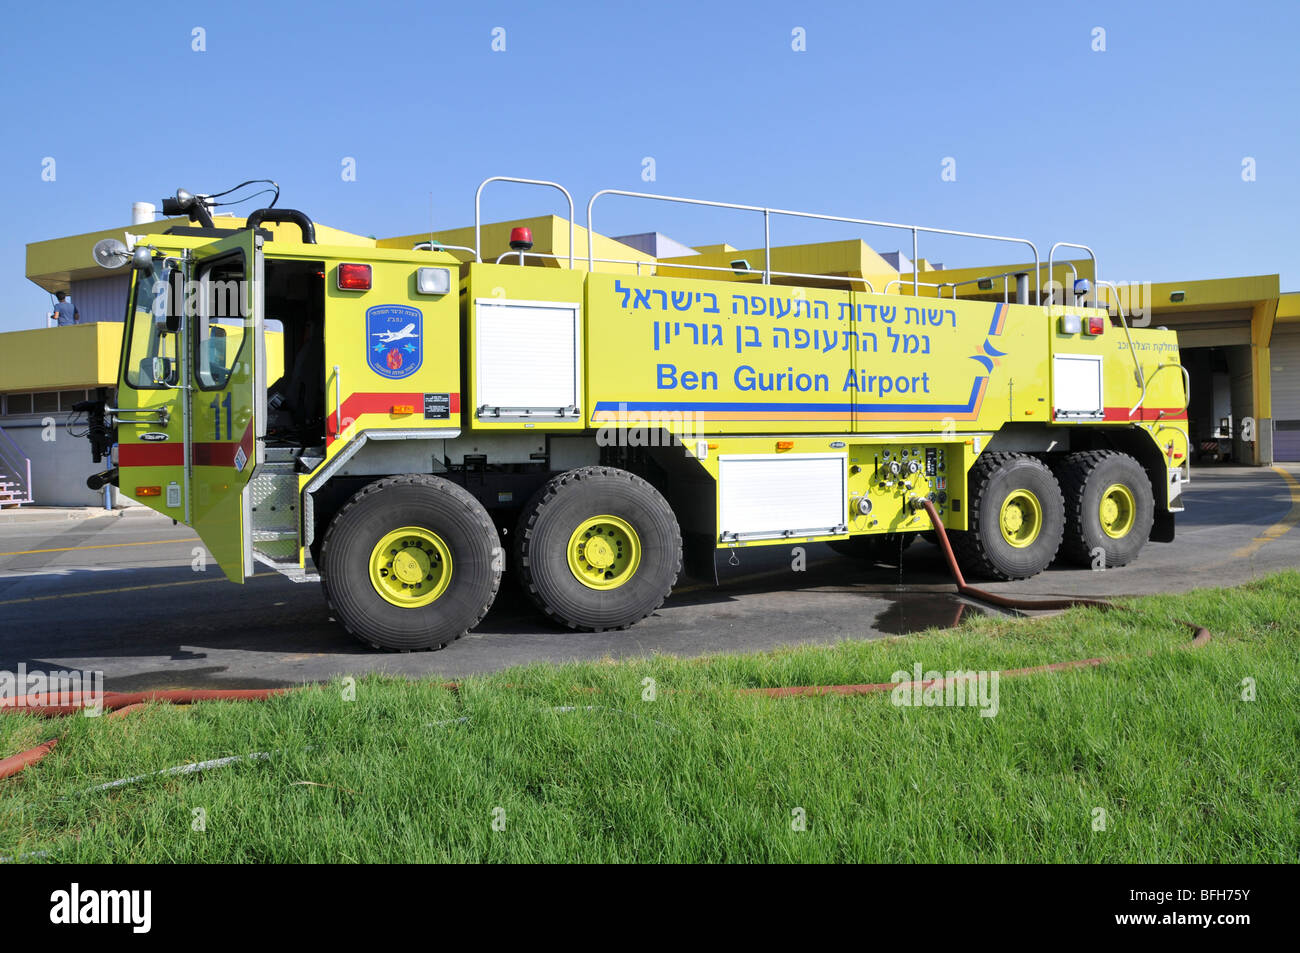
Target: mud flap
[(1162, 529), (699, 557)]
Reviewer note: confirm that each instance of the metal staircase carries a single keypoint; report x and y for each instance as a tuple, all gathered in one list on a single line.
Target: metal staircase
[(15, 474)]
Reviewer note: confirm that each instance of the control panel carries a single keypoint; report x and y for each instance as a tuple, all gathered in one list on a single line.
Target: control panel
[(884, 479)]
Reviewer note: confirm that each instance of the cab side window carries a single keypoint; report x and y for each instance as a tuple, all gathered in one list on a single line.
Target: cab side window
[(152, 358), (221, 313)]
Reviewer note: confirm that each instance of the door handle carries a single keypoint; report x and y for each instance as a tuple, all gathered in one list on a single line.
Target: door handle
[(338, 403)]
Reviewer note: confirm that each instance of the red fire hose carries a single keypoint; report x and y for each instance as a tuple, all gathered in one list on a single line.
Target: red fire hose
[(992, 597), (119, 703)]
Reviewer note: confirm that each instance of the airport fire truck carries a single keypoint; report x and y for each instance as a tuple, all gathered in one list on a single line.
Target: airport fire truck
[(404, 425)]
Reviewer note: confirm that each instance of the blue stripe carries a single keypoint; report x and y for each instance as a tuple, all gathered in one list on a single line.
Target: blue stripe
[(704, 405), (997, 310), (714, 405)]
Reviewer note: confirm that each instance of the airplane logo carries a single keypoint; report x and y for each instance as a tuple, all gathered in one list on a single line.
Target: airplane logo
[(394, 348), (388, 337)]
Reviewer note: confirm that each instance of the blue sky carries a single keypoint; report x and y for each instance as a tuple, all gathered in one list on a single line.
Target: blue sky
[(1136, 151)]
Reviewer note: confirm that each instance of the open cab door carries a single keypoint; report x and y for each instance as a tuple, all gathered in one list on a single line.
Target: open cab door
[(192, 393), (227, 395)]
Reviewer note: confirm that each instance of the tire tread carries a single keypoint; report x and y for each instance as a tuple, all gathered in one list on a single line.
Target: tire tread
[(365, 494)]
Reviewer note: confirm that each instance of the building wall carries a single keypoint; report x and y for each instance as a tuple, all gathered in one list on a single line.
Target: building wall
[(101, 299), (59, 465), (47, 359)]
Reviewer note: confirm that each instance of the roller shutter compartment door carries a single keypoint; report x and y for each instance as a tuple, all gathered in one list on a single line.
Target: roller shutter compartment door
[(1286, 396)]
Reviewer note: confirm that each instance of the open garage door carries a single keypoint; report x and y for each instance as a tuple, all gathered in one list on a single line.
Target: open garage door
[(1286, 395), (1221, 398)]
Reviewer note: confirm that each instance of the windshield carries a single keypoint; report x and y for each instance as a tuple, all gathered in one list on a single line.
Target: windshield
[(149, 338)]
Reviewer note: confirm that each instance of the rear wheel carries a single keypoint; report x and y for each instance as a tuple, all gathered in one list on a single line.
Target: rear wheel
[(598, 548), (1017, 518), (1109, 507), (410, 562)]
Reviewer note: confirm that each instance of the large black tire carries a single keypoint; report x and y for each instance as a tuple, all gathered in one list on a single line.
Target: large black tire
[(549, 522), (426, 502), (876, 548), (1085, 477), (983, 550)]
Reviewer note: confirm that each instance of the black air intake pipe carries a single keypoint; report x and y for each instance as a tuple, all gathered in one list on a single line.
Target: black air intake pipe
[(285, 215)]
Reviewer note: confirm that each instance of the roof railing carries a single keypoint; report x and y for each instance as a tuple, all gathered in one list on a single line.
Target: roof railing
[(433, 245), (478, 237), (687, 267), (767, 273), (767, 214), (916, 285), (1051, 255)]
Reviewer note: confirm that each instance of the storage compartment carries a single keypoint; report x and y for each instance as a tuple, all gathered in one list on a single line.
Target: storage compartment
[(1077, 386), (527, 361), (769, 497)]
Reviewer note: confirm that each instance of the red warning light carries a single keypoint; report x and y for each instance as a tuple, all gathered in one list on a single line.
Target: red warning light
[(354, 277), (521, 238)]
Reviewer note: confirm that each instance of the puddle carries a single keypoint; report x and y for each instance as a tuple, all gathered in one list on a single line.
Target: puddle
[(915, 611)]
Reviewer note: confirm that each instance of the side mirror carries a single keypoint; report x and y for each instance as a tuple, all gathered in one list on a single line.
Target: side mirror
[(173, 322), (159, 370)]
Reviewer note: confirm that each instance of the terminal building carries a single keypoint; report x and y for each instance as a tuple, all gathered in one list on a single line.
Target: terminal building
[(1239, 337)]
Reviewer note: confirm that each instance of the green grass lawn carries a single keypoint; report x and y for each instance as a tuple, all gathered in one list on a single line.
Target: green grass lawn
[(1184, 769)]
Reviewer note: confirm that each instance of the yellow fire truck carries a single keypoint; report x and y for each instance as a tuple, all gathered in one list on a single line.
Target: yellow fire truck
[(395, 422)]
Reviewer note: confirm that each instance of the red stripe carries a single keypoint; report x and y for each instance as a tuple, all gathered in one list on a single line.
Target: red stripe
[(214, 454), (368, 403), (1146, 414), (150, 455), (211, 454)]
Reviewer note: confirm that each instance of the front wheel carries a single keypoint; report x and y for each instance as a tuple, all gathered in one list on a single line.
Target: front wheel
[(598, 548), (411, 563)]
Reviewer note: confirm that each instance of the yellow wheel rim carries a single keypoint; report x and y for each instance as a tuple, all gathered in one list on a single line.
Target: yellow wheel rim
[(1117, 511), (410, 567), (1021, 518), (604, 552)]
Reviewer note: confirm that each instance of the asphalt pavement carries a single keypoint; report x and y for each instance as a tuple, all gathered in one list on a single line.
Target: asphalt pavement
[(121, 595)]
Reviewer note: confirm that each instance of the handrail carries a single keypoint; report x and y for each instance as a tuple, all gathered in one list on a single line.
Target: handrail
[(478, 236), (1187, 388), (9, 460), (12, 443), (769, 212), (428, 246), (1051, 253), (1006, 285), (654, 263), (915, 285), (1123, 320), (802, 274)]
